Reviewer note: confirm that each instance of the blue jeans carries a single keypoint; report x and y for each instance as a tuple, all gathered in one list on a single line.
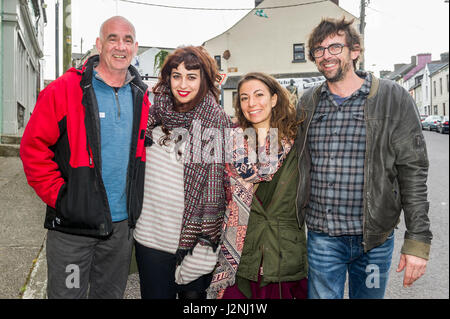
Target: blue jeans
[(330, 258)]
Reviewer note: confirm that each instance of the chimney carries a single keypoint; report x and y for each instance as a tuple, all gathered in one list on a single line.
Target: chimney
[(336, 2), (258, 2), (413, 60), (423, 58), (444, 57)]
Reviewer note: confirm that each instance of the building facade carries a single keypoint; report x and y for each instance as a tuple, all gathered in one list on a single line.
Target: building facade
[(430, 90), (417, 70), (145, 62), (276, 45), (22, 42), (416, 92), (439, 92)]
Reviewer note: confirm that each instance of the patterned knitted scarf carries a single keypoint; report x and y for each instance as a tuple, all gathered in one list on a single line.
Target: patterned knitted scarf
[(243, 177), (204, 194)]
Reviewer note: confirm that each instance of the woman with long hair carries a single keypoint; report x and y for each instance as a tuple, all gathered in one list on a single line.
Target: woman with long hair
[(178, 231), (263, 249)]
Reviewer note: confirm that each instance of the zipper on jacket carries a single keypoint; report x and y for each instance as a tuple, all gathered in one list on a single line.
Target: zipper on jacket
[(116, 93), (300, 156), (134, 172), (365, 196)]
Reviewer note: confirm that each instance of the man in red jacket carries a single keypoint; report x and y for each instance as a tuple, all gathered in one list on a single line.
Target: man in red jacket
[(83, 153)]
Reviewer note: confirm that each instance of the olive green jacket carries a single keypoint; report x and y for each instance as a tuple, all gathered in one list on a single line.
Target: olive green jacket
[(395, 167), (273, 235)]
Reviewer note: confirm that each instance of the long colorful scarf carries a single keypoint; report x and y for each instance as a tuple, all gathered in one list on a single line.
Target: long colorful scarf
[(243, 176), (204, 194)]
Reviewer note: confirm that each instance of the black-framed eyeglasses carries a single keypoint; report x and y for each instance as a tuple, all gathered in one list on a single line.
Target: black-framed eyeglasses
[(334, 49)]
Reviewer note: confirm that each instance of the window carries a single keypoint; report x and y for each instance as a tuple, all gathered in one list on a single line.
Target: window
[(435, 110), (218, 61), (440, 86), (443, 106), (434, 88), (235, 97), (299, 52)]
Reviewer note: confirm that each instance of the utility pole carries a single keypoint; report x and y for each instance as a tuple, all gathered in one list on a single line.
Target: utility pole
[(56, 39), (67, 35), (362, 18)]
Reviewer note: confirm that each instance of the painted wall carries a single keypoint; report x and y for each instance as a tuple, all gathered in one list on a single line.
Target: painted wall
[(266, 44), (21, 67), (145, 62), (441, 99)]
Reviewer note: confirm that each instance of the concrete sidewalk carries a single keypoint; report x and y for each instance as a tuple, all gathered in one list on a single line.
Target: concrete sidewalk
[(21, 230), (22, 238)]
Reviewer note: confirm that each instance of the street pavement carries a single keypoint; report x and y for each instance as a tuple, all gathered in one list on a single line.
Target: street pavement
[(21, 231), (22, 236), (434, 284)]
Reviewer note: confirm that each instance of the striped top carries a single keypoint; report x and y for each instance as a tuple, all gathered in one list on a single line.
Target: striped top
[(159, 225)]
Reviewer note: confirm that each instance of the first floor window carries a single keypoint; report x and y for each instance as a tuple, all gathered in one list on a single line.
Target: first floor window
[(299, 52), (218, 61)]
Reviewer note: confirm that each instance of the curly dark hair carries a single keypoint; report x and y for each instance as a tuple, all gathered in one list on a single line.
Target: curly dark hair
[(330, 27), (284, 115)]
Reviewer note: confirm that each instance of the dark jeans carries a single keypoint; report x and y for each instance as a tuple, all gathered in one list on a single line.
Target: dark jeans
[(81, 266), (157, 276), (331, 258)]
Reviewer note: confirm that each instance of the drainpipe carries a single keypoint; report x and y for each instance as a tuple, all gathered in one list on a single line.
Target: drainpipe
[(1, 67), (431, 96)]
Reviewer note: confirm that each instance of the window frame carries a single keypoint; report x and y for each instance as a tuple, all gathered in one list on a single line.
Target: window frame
[(294, 60), (218, 62)]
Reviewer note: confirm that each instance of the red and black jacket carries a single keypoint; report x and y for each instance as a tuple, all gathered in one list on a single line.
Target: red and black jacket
[(60, 151)]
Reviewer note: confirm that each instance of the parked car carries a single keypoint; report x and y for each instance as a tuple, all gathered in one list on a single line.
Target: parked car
[(431, 121), (442, 126), (423, 117)]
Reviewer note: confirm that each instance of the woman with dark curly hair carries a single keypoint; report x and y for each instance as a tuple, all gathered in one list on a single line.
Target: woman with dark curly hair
[(263, 249), (178, 232)]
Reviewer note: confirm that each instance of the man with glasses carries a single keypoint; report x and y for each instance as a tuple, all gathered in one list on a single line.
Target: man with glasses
[(363, 160)]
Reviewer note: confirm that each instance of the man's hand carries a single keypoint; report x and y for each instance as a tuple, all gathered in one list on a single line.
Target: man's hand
[(415, 268)]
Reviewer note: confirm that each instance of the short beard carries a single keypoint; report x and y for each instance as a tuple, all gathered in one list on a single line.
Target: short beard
[(339, 76), (341, 72)]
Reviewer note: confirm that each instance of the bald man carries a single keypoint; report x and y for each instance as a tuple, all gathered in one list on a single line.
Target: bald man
[(83, 153)]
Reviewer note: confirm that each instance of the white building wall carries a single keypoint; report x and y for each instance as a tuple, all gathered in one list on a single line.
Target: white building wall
[(440, 100), (418, 98), (266, 44), (21, 63), (426, 92), (145, 62)]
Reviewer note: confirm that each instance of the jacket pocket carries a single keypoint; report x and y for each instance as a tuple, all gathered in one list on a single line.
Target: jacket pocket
[(420, 148), (81, 206), (292, 252), (356, 127), (385, 212)]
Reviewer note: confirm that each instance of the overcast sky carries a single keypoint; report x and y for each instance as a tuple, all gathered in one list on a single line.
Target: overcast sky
[(395, 29)]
